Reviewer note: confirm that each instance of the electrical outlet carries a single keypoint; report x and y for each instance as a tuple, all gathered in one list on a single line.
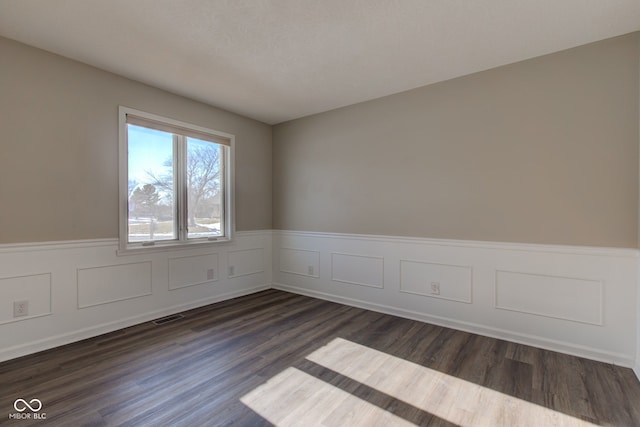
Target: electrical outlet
[(310, 270), (435, 288), (232, 270), (20, 308), (210, 274)]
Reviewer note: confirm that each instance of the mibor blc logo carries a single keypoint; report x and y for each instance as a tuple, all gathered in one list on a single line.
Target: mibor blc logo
[(27, 410)]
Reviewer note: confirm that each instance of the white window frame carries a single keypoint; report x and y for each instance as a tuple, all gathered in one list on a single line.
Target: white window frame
[(126, 247)]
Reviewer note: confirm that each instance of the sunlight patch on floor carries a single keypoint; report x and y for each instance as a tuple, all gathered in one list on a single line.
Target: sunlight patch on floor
[(294, 398)]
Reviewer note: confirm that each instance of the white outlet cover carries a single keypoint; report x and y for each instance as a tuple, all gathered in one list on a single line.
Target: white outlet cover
[(435, 288), (20, 308)]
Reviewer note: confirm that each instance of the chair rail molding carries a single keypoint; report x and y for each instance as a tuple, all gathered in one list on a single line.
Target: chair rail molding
[(80, 289), (576, 300)]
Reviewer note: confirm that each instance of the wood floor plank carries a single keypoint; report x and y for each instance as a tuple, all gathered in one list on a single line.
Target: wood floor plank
[(297, 360)]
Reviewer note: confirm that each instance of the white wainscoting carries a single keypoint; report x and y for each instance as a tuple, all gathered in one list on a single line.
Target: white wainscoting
[(187, 271), (303, 262), (245, 262), (113, 283), (637, 366), (35, 288), (358, 270), (454, 282), (550, 296), (576, 300), (81, 289)]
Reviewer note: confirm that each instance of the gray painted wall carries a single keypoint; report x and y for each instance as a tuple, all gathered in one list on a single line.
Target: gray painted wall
[(541, 151), (59, 162)]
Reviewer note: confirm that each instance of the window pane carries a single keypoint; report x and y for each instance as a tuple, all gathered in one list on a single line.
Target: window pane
[(205, 209), (151, 196)]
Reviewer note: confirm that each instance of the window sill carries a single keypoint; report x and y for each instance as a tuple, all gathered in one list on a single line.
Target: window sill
[(160, 246)]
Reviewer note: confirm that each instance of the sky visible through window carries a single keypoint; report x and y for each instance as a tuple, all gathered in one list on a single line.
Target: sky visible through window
[(151, 206), (143, 159), (151, 187)]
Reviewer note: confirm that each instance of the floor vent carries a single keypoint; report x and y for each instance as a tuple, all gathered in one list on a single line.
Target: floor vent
[(168, 319)]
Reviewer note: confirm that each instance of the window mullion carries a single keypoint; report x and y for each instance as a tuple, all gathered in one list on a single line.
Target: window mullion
[(181, 185), (162, 166)]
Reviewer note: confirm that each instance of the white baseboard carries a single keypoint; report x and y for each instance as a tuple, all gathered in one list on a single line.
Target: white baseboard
[(530, 340), (79, 289), (68, 338), (574, 300)]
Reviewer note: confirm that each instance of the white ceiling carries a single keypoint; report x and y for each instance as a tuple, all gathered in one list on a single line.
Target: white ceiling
[(276, 60)]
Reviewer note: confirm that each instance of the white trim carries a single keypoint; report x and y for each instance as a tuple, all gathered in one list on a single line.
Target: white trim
[(247, 273), (528, 247), (438, 297), (20, 319), (103, 247), (315, 275), (95, 304), (531, 340), (95, 243), (249, 233), (600, 283), (611, 333), (208, 281), (171, 246), (32, 316), (123, 176), (59, 340), (55, 245), (181, 241), (469, 267), (251, 273), (349, 282), (67, 323), (637, 366)]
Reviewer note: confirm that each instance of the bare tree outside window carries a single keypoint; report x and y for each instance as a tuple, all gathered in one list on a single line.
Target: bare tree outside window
[(178, 183), (204, 168), (144, 203), (203, 186), (151, 207)]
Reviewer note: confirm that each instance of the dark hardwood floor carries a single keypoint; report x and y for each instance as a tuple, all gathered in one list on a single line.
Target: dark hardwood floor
[(280, 358)]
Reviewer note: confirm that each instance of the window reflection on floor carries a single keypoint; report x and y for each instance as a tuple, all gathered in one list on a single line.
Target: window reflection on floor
[(295, 398)]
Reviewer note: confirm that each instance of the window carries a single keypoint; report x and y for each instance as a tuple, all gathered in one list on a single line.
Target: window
[(175, 182)]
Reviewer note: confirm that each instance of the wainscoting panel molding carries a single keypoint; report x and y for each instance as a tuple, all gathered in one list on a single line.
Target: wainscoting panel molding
[(302, 262), (35, 288), (85, 289), (245, 262), (452, 282), (193, 270), (575, 300), (358, 270), (104, 285), (565, 298)]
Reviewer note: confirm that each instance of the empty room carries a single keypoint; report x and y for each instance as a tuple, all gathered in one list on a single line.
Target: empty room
[(320, 213)]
